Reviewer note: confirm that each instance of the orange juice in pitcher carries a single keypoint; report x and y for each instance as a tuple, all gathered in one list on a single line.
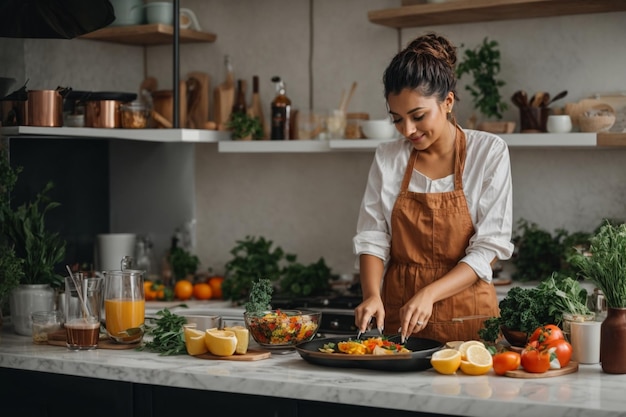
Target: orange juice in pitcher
[(124, 318), (124, 305)]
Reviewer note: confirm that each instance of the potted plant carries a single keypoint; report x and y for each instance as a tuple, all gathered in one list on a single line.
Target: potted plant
[(38, 249), (300, 280), (245, 127), (184, 263), (254, 258), (605, 266), (483, 63)]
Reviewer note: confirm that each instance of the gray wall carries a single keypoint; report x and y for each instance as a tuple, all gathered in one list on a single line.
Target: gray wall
[(308, 203)]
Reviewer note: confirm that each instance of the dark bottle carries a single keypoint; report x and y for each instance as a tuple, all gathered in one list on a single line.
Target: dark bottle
[(281, 113), (240, 99)]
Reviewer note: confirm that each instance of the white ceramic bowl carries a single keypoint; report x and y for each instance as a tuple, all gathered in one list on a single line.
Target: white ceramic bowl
[(378, 129)]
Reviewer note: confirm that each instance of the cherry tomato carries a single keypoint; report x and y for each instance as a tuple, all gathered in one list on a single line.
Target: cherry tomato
[(562, 349), (535, 360), (506, 361), (546, 334)]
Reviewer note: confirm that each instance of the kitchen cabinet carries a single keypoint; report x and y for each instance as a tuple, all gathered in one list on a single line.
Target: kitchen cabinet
[(472, 11)]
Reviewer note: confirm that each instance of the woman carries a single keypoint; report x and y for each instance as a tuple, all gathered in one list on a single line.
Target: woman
[(436, 212)]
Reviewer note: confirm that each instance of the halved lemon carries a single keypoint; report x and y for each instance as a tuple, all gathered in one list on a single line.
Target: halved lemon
[(446, 361), (243, 338), (465, 345), (454, 344), (221, 342), (194, 341), (478, 361)]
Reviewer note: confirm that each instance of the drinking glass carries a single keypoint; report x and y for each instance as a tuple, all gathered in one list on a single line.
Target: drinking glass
[(124, 305), (83, 301)]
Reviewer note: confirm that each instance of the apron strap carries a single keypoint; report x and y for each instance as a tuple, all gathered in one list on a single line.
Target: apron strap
[(409, 171)]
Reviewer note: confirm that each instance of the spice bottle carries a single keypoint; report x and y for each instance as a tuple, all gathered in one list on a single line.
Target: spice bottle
[(240, 99), (281, 113)]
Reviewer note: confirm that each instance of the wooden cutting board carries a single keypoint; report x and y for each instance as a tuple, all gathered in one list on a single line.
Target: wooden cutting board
[(570, 368), (198, 113), (223, 99), (59, 339), (250, 355)]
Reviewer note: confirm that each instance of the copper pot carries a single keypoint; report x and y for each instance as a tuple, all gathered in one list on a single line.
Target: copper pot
[(103, 113), (45, 108)]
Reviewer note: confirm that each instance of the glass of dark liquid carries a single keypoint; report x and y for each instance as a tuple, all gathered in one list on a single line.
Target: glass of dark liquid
[(83, 304)]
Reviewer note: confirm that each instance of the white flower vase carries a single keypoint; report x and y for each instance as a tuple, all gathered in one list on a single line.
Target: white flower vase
[(24, 301)]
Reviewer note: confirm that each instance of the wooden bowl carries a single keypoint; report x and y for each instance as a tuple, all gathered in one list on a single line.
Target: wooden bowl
[(514, 337), (599, 118)]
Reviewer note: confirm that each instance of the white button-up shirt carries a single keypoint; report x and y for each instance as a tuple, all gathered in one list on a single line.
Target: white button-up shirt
[(486, 184)]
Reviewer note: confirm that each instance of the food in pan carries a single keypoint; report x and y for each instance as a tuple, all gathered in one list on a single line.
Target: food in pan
[(369, 346)]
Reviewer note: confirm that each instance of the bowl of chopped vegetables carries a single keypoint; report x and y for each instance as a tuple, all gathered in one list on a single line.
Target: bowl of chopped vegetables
[(282, 328)]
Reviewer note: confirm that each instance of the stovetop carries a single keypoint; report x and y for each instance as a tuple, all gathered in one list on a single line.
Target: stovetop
[(336, 302)]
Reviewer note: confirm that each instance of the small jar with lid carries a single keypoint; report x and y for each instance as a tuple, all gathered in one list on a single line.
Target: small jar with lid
[(135, 115), (45, 322)]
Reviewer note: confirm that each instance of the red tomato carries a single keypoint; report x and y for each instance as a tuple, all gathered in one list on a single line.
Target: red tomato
[(546, 334), (535, 360), (506, 361), (562, 349)]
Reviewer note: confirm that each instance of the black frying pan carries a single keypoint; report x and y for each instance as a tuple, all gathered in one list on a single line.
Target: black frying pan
[(418, 360)]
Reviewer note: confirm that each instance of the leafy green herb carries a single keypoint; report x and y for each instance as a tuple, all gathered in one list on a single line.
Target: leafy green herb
[(168, 337), (566, 296), (606, 264), (40, 248), (539, 253), (253, 258), (183, 263), (242, 126), (525, 309), (305, 280), (260, 296)]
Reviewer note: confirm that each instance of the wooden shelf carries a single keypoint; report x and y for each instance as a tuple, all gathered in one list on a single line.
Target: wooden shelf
[(470, 11), (153, 34)]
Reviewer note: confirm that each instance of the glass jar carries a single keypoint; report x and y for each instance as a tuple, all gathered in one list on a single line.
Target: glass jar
[(45, 322), (135, 115)]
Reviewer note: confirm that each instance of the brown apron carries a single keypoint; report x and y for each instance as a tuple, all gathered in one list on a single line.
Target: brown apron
[(430, 233)]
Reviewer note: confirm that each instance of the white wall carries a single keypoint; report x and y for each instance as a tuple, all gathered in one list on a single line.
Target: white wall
[(308, 203)]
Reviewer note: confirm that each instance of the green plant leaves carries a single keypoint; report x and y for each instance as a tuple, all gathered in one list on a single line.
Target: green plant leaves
[(483, 63)]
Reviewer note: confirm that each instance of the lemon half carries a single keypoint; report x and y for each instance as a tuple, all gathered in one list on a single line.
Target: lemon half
[(478, 360), (465, 345), (243, 338), (446, 361), (221, 342), (194, 341)]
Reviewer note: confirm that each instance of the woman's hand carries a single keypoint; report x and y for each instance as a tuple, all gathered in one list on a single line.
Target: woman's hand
[(414, 315), (370, 307)]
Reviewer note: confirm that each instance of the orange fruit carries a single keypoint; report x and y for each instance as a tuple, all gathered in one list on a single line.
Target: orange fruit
[(183, 290), (216, 286), (202, 291), (148, 291)]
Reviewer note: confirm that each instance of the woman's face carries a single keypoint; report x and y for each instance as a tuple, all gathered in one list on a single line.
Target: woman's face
[(421, 120)]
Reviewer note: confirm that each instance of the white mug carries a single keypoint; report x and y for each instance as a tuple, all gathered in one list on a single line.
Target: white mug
[(559, 123), (585, 338)]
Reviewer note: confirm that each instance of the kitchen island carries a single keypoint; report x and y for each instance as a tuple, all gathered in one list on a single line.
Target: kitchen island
[(37, 378)]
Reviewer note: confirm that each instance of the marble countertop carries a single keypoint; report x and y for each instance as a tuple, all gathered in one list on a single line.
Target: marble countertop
[(587, 392)]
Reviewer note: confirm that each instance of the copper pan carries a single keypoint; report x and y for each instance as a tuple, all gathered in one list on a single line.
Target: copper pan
[(45, 108)]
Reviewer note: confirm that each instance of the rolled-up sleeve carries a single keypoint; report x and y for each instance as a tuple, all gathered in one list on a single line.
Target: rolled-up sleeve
[(373, 236), (491, 204)]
